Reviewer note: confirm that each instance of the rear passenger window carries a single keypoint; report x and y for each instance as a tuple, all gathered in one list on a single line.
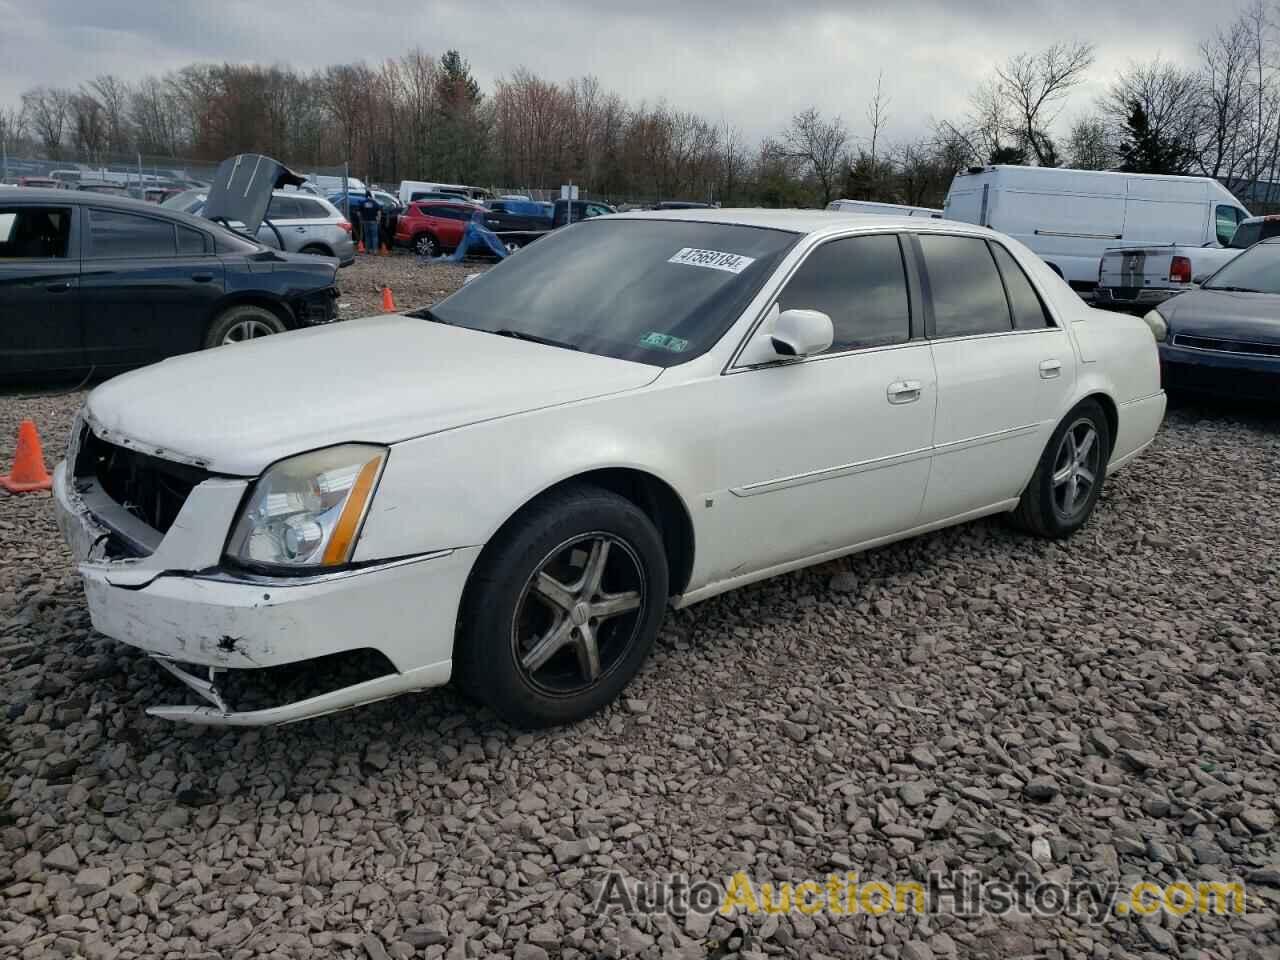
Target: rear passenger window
[(1028, 312), (190, 242), (113, 234), (968, 297), (282, 208), (310, 210), (861, 283)]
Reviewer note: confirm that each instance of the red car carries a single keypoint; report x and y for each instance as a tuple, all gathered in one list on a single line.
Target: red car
[(432, 227)]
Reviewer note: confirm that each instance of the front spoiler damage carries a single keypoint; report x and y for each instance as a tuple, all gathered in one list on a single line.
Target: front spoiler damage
[(219, 714)]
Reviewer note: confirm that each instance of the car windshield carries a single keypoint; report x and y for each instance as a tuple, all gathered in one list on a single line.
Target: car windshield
[(1257, 270), (654, 291)]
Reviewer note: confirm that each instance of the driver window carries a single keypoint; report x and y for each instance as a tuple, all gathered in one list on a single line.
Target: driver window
[(861, 283)]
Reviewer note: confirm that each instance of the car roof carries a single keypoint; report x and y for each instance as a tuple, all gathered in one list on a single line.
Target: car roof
[(801, 221), (62, 198)]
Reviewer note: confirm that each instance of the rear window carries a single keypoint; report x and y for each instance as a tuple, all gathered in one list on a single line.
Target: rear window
[(653, 291), (114, 234)]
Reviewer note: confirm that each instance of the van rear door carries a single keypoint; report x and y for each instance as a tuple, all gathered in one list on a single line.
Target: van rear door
[(964, 199)]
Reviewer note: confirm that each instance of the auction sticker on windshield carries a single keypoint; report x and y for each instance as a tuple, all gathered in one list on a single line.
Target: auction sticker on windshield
[(715, 259)]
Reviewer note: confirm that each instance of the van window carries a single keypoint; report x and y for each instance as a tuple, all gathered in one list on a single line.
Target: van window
[(1246, 235), (968, 297), (861, 284), (1226, 218)]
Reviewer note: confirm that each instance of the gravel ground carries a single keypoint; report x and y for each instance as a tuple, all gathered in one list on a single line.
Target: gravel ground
[(1100, 709), (413, 283)]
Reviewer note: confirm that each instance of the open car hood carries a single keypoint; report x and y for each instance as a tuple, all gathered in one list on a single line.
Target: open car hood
[(241, 189)]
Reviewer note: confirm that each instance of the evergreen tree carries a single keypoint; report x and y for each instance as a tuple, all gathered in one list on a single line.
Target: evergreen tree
[(1146, 150)]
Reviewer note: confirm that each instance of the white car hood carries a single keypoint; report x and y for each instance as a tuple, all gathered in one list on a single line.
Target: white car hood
[(238, 408)]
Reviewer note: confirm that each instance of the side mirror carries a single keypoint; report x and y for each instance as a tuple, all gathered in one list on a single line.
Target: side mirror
[(802, 333)]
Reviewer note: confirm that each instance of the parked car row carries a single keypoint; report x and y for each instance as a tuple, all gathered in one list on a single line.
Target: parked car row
[(433, 227)]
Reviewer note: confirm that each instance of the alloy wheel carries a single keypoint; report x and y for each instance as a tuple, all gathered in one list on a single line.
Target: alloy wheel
[(578, 614), (1075, 469), (247, 330)]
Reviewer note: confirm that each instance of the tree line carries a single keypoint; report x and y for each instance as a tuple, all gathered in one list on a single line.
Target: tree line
[(421, 117)]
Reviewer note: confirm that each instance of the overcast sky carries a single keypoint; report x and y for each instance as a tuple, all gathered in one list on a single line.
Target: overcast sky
[(750, 62)]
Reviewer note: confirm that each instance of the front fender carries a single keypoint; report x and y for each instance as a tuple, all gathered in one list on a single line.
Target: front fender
[(457, 487)]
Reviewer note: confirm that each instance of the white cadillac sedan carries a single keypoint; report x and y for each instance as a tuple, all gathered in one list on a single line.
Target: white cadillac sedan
[(636, 412)]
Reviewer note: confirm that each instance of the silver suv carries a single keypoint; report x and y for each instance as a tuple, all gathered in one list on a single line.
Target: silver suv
[(306, 224)]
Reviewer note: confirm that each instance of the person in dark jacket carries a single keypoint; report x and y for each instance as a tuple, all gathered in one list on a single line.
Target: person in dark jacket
[(370, 211)]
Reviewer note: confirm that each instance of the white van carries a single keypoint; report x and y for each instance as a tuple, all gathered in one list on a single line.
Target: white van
[(411, 190), (1069, 217), (885, 209)]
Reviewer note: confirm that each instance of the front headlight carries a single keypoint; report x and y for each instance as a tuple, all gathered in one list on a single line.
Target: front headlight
[(1159, 327), (306, 511)]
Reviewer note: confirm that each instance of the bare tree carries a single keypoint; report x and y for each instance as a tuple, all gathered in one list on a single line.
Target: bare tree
[(47, 110), (1089, 145), (820, 145), (113, 94), (1033, 86), (1221, 130), (877, 114), (88, 127)]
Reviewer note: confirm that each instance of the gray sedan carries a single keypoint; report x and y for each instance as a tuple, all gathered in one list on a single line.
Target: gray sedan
[(1224, 338)]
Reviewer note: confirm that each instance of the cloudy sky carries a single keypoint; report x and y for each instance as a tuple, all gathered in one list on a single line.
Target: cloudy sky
[(750, 62)]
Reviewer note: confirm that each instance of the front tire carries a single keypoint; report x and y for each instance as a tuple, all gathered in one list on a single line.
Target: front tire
[(1068, 480), (424, 245), (562, 608), (246, 322)]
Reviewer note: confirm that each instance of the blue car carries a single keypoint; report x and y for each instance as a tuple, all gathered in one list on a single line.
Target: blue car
[(1224, 338)]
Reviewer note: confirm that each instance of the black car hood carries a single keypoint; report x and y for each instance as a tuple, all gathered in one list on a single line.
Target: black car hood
[(1227, 315), (241, 189)]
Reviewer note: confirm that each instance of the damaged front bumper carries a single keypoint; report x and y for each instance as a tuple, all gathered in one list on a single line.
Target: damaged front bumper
[(178, 604)]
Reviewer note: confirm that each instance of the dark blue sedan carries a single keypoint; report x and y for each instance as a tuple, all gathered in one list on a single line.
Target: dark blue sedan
[(1224, 338)]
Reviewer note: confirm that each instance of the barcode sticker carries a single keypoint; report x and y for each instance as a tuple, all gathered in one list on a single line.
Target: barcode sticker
[(713, 259)]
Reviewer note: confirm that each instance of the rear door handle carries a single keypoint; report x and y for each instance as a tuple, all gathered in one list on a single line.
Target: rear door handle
[(903, 391), (62, 286), (1050, 369), (202, 277)]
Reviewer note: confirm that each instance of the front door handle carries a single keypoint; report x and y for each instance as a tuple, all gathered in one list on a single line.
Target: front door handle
[(300, 229), (202, 277), (1050, 369), (903, 391)]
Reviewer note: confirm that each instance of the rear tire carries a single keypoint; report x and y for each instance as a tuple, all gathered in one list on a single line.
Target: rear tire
[(425, 245), (316, 251), (1068, 480), (245, 322), (562, 608)]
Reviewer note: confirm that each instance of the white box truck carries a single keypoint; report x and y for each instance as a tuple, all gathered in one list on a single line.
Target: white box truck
[(1071, 217)]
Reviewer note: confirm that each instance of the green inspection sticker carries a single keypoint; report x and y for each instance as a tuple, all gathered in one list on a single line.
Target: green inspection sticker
[(662, 341)]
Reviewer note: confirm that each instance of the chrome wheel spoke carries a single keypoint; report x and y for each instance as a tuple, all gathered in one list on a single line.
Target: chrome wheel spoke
[(613, 604), (554, 592), (588, 652), (1085, 474), (1063, 475), (1085, 445), (550, 644), (593, 573)]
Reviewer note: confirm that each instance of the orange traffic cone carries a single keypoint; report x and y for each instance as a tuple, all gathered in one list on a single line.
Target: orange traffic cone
[(384, 250), (29, 473), (360, 247), (388, 301)]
